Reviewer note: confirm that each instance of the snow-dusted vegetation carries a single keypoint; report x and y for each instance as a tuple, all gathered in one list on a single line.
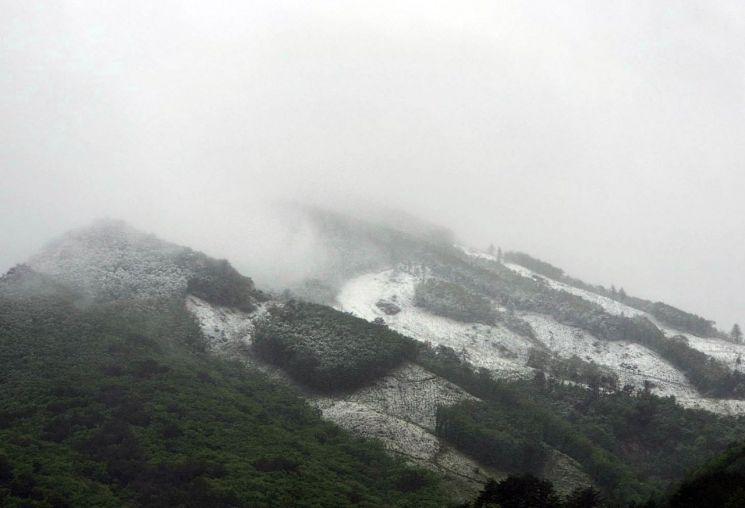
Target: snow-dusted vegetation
[(490, 346), (227, 330), (506, 354), (633, 363), (609, 305), (399, 409), (727, 352), (112, 260), (326, 349)]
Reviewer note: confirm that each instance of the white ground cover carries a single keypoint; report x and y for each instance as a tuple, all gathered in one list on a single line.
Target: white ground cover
[(399, 409), (227, 330), (492, 347), (112, 260), (506, 353), (611, 306), (722, 350)]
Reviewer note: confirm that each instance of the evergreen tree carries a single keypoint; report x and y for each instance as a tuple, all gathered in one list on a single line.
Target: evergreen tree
[(736, 333), (491, 251)]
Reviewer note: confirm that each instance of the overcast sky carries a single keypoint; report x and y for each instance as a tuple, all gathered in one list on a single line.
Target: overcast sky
[(605, 137)]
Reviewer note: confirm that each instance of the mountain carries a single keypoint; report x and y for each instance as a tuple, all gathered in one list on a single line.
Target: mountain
[(530, 323), (676, 350), (112, 261), (109, 398), (408, 371)]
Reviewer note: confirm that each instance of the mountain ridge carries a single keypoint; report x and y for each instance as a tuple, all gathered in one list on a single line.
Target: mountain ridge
[(459, 365)]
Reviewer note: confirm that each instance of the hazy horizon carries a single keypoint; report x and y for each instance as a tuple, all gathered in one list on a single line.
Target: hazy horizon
[(604, 138)]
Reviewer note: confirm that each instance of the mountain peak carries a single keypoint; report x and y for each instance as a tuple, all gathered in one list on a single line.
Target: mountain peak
[(110, 259)]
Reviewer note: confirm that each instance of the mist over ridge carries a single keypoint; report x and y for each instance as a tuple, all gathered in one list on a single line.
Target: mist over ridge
[(602, 138)]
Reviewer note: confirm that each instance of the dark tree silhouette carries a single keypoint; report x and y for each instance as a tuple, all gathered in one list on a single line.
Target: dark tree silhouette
[(736, 333)]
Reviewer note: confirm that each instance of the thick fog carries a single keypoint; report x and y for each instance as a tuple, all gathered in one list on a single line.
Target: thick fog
[(605, 137)]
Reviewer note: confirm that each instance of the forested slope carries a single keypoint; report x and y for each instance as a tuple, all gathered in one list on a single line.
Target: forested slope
[(116, 404)]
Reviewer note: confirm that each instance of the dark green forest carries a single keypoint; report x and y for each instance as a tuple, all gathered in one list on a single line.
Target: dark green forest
[(327, 349), (720, 483), (118, 405)]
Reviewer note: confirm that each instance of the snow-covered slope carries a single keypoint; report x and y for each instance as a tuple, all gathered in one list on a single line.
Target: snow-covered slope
[(506, 353), (399, 409), (492, 347), (732, 355), (228, 331), (632, 363), (727, 352), (112, 260), (608, 304)]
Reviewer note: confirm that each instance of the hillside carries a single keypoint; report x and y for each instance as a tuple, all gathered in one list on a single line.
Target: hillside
[(435, 356), (556, 331), (116, 403), (719, 482)]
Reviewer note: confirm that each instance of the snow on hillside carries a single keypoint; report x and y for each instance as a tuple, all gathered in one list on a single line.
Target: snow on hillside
[(112, 260), (399, 409), (632, 362), (226, 330), (506, 353), (468, 251), (610, 305), (415, 444), (722, 350), (732, 355), (411, 393), (492, 347)]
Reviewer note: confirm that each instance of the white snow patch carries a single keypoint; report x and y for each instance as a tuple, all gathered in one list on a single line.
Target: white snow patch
[(631, 362), (410, 392), (730, 354), (506, 353), (493, 347), (722, 350), (227, 330), (468, 251), (400, 410)]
